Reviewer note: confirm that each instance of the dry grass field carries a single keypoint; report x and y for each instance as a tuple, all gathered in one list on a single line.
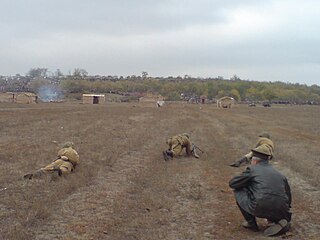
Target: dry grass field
[(123, 189)]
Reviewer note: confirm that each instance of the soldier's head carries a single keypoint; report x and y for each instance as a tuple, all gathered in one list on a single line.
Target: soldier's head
[(265, 135), (261, 153), (68, 145), (186, 134)]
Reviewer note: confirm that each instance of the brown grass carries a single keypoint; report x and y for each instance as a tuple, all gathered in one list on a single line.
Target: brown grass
[(123, 189)]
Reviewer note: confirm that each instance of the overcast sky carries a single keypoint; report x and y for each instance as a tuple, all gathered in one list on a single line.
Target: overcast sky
[(276, 40)]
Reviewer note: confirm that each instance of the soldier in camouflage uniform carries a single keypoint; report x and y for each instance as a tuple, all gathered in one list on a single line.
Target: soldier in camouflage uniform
[(264, 139), (65, 163), (177, 144)]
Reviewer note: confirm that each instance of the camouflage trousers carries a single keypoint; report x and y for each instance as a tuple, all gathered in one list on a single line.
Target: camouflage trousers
[(60, 166)]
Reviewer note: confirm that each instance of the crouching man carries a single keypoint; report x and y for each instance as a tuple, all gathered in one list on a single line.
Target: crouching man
[(261, 191), (65, 162)]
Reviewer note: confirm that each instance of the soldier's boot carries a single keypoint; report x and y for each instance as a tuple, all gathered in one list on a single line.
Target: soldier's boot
[(239, 162), (277, 228), (252, 225), (28, 176), (167, 155)]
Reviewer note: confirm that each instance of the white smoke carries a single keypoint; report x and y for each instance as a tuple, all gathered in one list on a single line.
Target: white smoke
[(49, 93)]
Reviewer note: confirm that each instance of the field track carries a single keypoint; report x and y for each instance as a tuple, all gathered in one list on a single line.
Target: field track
[(123, 188)]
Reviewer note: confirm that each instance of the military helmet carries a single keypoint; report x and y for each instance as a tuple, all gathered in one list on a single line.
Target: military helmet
[(265, 135), (68, 144), (262, 152), (186, 134)]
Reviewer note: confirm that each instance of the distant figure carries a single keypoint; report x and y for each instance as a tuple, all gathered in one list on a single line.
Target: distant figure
[(264, 139), (261, 191), (65, 163), (160, 103), (177, 144)]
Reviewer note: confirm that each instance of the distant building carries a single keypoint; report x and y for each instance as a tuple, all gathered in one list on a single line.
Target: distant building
[(18, 97), (93, 98), (7, 97), (26, 97), (203, 99), (225, 102)]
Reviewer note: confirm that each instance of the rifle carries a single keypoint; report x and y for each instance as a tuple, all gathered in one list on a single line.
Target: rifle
[(194, 146)]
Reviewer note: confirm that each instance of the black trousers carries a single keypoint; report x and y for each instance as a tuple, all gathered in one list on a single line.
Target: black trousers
[(273, 218), (247, 216)]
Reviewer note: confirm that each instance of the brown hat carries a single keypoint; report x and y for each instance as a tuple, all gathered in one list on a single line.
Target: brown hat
[(262, 152)]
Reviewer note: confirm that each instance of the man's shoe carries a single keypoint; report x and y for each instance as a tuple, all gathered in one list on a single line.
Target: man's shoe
[(278, 228), (251, 225)]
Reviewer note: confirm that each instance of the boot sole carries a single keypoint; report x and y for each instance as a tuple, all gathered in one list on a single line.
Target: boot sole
[(281, 227)]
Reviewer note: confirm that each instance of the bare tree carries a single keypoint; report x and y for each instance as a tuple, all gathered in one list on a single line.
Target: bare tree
[(37, 72), (144, 75), (79, 72)]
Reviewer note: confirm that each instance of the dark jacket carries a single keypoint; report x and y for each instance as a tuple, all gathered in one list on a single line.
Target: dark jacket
[(263, 192)]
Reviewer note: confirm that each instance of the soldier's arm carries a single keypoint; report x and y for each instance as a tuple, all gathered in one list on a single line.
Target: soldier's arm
[(188, 147), (174, 146)]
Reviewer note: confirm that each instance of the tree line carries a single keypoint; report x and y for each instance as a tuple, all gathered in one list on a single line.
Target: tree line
[(169, 87)]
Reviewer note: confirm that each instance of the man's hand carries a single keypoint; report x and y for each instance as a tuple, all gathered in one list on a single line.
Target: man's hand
[(239, 162), (235, 164)]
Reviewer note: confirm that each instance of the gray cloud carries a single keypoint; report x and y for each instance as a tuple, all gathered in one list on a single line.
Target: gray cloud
[(261, 40)]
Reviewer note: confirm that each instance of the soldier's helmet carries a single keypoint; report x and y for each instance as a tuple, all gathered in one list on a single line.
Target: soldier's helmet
[(186, 134), (262, 152), (68, 144), (265, 135)]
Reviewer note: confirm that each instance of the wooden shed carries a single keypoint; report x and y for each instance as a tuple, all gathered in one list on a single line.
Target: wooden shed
[(18, 97), (7, 97), (26, 97), (203, 99), (93, 98), (225, 102)]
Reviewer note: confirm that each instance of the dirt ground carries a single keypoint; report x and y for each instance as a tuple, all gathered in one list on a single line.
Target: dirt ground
[(123, 189)]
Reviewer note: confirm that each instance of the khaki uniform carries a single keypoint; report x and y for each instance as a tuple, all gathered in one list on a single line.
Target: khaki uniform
[(178, 143), (68, 158), (262, 141), (65, 163)]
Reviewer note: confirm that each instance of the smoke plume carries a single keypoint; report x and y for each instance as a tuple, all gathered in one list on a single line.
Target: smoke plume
[(50, 93)]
